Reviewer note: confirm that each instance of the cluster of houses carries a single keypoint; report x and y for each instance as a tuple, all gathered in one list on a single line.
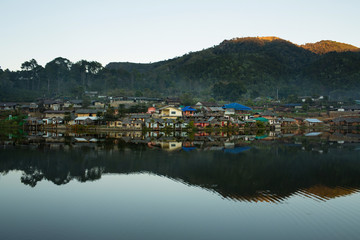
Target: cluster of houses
[(168, 114)]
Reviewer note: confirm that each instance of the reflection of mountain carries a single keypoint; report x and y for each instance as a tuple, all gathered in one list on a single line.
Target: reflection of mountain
[(260, 173)]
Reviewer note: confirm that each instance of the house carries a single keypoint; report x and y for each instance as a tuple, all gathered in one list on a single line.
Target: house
[(213, 111), (169, 123), (181, 124), (86, 116), (214, 122), (73, 103), (236, 108), (288, 122), (53, 105), (142, 116), (137, 124), (116, 123), (354, 108), (154, 123), (126, 123), (271, 117), (116, 101), (33, 121), (33, 107), (55, 114), (292, 106), (5, 106), (342, 121), (86, 120), (237, 123), (170, 112), (87, 112), (313, 122), (188, 111), (170, 145), (151, 110), (201, 105)]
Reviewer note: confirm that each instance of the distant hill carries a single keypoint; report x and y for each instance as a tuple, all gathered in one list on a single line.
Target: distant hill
[(239, 68), (257, 66), (326, 46)]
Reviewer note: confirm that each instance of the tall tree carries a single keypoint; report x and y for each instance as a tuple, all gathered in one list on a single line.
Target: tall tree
[(32, 68), (58, 71)]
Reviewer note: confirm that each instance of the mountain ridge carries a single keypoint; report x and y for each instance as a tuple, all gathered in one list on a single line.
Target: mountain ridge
[(260, 64), (239, 68), (325, 45)]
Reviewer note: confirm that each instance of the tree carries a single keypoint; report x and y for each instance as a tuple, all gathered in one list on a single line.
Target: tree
[(32, 68), (86, 102), (138, 93), (58, 70), (228, 91), (67, 118), (109, 114), (87, 70), (187, 99)]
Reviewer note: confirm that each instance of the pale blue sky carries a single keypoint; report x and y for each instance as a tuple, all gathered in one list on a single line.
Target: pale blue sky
[(149, 31)]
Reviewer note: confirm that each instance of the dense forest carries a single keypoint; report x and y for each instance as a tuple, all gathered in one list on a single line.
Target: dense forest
[(241, 68)]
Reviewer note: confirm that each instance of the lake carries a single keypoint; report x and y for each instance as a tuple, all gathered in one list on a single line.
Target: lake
[(204, 186)]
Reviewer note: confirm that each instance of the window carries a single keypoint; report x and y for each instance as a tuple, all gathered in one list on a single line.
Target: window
[(173, 112)]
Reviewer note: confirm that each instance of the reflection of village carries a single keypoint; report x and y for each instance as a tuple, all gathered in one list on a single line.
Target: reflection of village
[(184, 141), (243, 167)]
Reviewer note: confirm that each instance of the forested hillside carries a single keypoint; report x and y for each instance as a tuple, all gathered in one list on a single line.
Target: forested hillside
[(234, 69)]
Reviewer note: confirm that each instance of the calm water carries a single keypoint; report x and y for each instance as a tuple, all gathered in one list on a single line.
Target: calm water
[(304, 186)]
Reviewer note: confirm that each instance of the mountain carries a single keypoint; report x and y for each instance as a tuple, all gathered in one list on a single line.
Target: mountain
[(239, 68), (255, 66), (327, 46)]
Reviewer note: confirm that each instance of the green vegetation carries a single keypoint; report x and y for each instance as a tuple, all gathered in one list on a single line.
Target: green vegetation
[(11, 120), (236, 69)]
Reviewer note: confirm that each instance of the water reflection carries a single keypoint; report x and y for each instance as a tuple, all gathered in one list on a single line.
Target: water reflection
[(257, 168)]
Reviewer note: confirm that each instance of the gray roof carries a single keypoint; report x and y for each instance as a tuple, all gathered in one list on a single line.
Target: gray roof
[(210, 119), (288, 120), (313, 120), (354, 107), (55, 112), (159, 120), (349, 120), (75, 101), (125, 121), (209, 104), (140, 115), (269, 113), (87, 111), (8, 104), (169, 121)]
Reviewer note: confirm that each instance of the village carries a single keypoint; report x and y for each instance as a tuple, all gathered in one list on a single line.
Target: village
[(170, 114)]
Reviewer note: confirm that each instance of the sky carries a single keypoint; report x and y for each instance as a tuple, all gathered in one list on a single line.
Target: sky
[(149, 31)]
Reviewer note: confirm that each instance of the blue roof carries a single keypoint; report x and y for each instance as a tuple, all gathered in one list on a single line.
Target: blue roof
[(237, 106), (236, 150), (188, 149), (188, 108), (292, 105)]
